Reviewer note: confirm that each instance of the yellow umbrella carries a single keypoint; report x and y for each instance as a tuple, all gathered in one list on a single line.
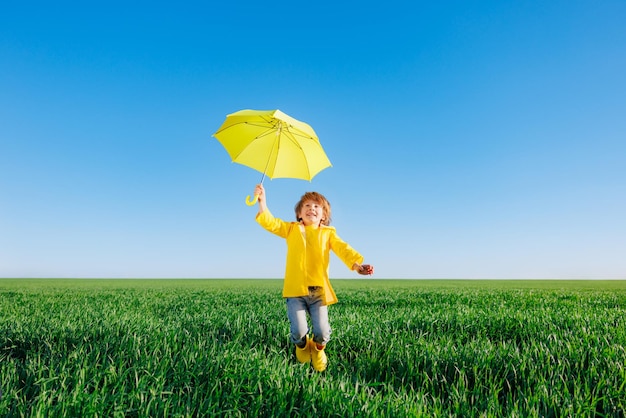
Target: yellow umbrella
[(272, 143)]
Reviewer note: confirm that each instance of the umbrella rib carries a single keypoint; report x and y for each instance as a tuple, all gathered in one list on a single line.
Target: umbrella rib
[(267, 125), (275, 145), (296, 132), (267, 132), (292, 138)]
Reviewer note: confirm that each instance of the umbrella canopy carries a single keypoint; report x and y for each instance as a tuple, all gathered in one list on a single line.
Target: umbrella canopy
[(272, 143)]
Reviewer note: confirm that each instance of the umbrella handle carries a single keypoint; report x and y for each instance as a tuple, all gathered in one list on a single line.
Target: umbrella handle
[(253, 201)]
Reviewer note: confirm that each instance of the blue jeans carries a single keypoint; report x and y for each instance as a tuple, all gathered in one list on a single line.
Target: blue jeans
[(313, 304)]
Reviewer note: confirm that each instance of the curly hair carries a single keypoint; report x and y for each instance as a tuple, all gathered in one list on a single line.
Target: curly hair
[(320, 200)]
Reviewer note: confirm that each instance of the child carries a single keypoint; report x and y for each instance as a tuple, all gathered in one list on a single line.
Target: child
[(306, 286)]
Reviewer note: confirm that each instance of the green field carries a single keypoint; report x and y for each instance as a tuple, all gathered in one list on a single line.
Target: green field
[(168, 348)]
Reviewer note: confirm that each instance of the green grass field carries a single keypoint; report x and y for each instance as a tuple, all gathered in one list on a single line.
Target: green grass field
[(170, 348)]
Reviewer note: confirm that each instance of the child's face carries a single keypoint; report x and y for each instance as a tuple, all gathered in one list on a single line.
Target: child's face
[(312, 213)]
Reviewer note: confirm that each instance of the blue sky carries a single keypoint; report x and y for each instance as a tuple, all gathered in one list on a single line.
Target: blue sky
[(468, 139)]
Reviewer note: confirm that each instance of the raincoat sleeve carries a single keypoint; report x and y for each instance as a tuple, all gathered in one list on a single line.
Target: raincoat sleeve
[(274, 225), (344, 251)]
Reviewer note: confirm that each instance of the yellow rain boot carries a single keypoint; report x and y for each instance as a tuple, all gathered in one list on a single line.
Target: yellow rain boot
[(318, 357), (304, 354)]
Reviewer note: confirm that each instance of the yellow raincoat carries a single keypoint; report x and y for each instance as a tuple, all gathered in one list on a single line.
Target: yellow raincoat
[(308, 255)]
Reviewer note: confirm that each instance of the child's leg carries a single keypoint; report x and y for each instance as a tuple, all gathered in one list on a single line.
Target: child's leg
[(320, 322), (321, 333), (296, 312)]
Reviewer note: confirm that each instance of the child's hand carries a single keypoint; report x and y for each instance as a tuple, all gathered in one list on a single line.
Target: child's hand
[(364, 269), (259, 191)]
